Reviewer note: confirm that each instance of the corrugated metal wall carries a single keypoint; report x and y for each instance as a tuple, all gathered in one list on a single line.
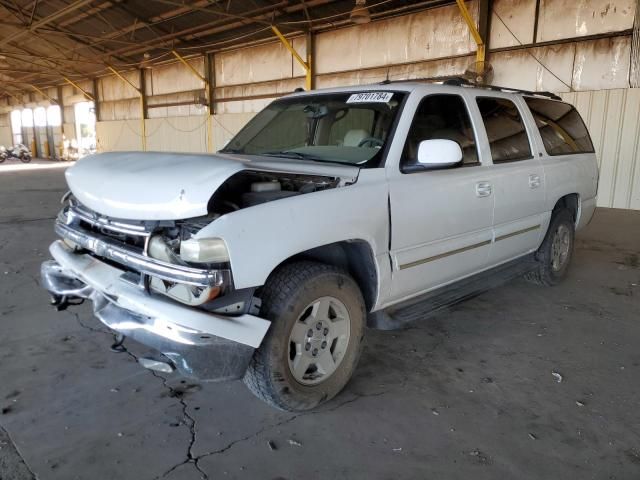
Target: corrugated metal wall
[(170, 134), (613, 118), (5, 136), (435, 42)]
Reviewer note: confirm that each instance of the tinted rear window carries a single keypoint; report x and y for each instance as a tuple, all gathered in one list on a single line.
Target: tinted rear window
[(561, 127), (507, 135)]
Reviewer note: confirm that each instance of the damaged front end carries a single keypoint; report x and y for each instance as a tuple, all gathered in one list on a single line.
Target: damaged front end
[(142, 288), (160, 281)]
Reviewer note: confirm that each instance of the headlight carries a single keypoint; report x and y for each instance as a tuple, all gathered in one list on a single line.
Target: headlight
[(206, 250)]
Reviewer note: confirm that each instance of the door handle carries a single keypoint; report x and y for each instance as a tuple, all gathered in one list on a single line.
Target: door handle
[(483, 189), (534, 181)]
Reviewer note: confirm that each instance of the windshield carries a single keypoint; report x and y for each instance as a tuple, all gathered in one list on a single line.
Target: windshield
[(350, 128)]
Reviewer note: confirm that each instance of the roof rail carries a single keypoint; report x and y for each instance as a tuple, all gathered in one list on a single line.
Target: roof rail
[(463, 82)]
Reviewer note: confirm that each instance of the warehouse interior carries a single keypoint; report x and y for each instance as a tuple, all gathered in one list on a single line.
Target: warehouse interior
[(91, 72), (522, 382)]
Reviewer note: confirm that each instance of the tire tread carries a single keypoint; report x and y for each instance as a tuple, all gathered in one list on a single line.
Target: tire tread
[(279, 287)]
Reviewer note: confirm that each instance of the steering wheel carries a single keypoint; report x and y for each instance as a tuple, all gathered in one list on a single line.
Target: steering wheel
[(372, 141)]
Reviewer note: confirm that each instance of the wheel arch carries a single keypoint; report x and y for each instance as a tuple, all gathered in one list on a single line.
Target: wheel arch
[(571, 202), (354, 256)]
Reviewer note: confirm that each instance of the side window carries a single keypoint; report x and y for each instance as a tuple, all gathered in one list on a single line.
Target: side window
[(442, 117), (561, 128), (508, 139)]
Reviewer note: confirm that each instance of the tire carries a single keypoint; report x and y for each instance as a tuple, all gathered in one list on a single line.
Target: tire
[(294, 296), (551, 267), (25, 158)]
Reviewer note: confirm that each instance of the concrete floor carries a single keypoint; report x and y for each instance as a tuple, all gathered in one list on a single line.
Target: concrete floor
[(468, 394)]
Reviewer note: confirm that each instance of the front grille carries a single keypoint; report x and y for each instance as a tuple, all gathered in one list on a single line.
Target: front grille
[(135, 241), (133, 235)]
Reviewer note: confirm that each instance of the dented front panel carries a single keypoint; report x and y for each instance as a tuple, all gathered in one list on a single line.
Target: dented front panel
[(170, 186)]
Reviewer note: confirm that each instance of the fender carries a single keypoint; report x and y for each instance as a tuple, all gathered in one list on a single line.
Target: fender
[(261, 237)]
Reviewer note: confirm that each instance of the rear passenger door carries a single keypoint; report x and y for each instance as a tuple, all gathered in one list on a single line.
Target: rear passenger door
[(517, 177), (441, 220)]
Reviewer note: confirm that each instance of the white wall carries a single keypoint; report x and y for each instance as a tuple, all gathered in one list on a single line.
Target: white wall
[(614, 123), (5, 136), (171, 134), (432, 43)]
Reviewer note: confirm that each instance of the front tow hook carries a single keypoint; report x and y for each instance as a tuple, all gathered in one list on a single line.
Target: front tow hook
[(117, 346), (61, 302)]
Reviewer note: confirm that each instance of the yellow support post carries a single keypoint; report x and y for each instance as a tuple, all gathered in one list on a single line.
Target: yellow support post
[(206, 87), (189, 66), (86, 94), (41, 92), (142, 119), (480, 51), (306, 65)]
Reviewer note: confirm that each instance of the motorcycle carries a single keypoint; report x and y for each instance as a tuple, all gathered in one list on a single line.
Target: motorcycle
[(19, 152)]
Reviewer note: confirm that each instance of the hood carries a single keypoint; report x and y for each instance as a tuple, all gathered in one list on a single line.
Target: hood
[(171, 186)]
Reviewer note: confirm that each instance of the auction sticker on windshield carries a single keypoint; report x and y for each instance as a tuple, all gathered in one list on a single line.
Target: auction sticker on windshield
[(368, 97)]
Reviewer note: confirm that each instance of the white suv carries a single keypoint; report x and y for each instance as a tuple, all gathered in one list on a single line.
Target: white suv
[(329, 209)]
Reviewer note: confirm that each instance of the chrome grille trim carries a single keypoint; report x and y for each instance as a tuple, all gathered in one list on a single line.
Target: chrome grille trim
[(104, 247)]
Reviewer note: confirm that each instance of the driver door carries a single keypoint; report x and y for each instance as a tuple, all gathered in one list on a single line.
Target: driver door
[(441, 220)]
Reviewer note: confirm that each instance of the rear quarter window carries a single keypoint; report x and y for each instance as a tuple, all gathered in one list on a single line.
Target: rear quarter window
[(562, 130)]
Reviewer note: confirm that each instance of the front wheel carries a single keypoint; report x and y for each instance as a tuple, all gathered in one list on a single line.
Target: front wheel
[(25, 158), (554, 255), (313, 345)]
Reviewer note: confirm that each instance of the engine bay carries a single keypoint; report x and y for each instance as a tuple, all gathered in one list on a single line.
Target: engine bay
[(248, 188)]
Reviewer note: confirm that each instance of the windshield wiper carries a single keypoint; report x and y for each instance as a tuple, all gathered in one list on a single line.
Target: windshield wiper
[(232, 150), (290, 154), (302, 156)]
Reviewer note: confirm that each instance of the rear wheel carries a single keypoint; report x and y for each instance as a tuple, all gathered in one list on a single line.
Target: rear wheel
[(554, 255), (313, 345)]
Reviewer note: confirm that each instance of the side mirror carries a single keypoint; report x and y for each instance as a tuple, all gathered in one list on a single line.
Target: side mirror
[(439, 153)]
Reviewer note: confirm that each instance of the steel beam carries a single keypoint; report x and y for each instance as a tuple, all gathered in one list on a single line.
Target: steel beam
[(305, 64), (86, 94), (61, 105), (46, 20), (207, 87), (43, 93), (480, 44), (96, 99), (143, 125), (210, 74)]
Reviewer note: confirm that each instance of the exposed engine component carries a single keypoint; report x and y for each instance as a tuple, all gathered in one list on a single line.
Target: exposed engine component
[(262, 192), (247, 188), (272, 186), (166, 240), (159, 248)]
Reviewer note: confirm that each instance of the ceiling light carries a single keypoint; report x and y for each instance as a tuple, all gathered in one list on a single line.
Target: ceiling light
[(360, 13)]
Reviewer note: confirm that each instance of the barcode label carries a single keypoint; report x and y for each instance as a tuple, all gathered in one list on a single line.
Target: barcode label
[(369, 97)]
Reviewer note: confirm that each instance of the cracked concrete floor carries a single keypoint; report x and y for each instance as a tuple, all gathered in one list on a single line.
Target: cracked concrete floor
[(467, 394)]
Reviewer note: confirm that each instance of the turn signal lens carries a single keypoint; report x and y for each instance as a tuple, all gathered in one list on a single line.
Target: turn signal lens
[(206, 250)]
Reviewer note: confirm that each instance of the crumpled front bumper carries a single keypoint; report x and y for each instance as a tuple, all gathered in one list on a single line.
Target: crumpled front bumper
[(199, 344)]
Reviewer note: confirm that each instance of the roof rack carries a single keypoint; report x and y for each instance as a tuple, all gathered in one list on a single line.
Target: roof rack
[(463, 82)]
